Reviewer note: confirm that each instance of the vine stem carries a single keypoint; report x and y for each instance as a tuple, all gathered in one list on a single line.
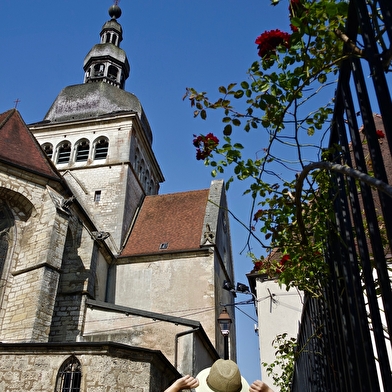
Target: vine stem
[(335, 167)]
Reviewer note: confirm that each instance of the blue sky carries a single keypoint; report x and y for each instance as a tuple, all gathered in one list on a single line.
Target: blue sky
[(170, 45)]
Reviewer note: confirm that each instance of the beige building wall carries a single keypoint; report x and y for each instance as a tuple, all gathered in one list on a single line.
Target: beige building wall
[(278, 311)]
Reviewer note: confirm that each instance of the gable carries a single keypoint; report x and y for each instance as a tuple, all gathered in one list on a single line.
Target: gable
[(19, 147)]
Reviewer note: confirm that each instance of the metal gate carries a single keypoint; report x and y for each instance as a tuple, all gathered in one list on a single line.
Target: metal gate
[(345, 336)]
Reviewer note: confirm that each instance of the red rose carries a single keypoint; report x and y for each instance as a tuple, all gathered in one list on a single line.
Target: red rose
[(380, 134), (258, 265), (270, 40), (204, 145), (280, 267)]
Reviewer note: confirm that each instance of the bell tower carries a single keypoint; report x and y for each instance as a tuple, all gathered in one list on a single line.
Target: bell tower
[(99, 138), (106, 62)]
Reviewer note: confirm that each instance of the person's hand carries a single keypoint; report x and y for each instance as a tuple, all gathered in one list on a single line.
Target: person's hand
[(186, 382), (260, 386)]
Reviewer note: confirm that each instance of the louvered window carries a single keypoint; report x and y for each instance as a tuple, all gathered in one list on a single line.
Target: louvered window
[(64, 153), (101, 148), (82, 151), (48, 148)]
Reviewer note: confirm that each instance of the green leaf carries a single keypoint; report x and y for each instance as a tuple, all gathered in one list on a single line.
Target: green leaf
[(222, 90), (227, 130), (322, 78), (239, 94)]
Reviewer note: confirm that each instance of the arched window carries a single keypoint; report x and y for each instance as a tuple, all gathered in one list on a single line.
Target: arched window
[(82, 151), (146, 180), (99, 69), (6, 222), (136, 162), (112, 72), (101, 148), (69, 376), (48, 149), (141, 170), (64, 152)]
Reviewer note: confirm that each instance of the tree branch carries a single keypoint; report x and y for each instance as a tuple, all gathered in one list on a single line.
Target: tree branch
[(345, 170), (350, 43)]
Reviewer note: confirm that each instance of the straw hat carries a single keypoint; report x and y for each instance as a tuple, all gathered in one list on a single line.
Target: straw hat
[(222, 376)]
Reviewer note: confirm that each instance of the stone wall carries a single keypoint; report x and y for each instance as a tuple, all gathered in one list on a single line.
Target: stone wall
[(105, 367), (122, 179), (33, 258)]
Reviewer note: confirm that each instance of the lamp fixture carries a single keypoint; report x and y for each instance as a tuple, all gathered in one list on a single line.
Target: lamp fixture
[(242, 288), (224, 321), (229, 287)]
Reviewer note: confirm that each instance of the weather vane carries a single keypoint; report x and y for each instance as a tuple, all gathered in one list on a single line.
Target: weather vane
[(116, 2)]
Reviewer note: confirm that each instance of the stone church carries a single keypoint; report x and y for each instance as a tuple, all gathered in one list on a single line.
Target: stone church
[(105, 285)]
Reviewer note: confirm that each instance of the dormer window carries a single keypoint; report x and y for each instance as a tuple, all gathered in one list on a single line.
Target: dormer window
[(64, 152), (101, 148)]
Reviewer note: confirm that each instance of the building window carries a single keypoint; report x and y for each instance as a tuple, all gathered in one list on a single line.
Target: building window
[(6, 222), (136, 162), (99, 69), (141, 170), (48, 149), (69, 376), (112, 72), (82, 151), (97, 196), (101, 148), (64, 152)]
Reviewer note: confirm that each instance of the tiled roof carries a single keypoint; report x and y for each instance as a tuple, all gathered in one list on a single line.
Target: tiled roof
[(19, 147), (176, 219)]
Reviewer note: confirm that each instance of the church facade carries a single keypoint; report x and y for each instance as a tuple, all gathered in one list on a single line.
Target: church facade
[(104, 283)]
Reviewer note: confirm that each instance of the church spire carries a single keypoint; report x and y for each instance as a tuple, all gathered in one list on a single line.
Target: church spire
[(106, 62)]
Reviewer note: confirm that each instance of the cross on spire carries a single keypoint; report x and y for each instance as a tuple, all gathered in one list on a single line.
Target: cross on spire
[(116, 2), (17, 100)]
